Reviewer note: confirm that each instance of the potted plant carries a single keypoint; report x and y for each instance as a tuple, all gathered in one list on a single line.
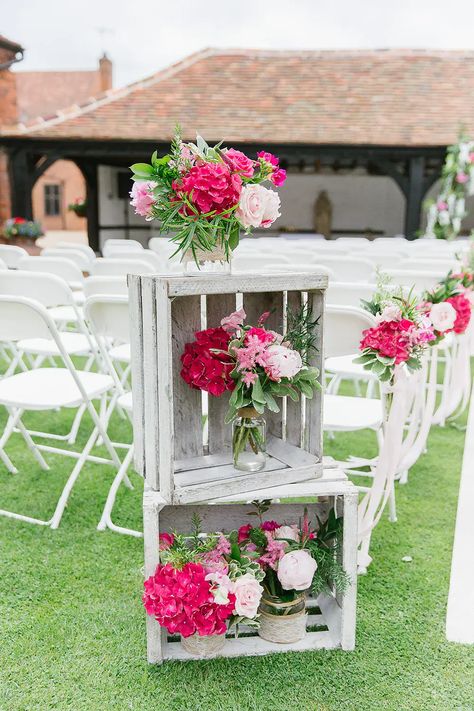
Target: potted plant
[(78, 207), (21, 232)]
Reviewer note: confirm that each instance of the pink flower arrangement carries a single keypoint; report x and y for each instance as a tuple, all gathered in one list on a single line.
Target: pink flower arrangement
[(206, 363), (206, 195)]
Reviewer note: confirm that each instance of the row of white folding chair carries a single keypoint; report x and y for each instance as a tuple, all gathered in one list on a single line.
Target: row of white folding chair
[(126, 245), (59, 266), (78, 246), (105, 285), (74, 255), (3, 266), (11, 254), (48, 389)]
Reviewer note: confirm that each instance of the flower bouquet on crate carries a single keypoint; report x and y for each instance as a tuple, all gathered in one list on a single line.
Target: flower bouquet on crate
[(205, 195), (78, 207), (257, 365), (19, 227), (449, 304), (203, 585), (295, 559), (401, 335)]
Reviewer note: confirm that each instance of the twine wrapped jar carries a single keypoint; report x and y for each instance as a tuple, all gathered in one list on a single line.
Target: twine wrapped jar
[(203, 646), (282, 622)]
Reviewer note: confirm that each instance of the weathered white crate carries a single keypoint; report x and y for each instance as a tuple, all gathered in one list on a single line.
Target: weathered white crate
[(170, 447), (334, 617)]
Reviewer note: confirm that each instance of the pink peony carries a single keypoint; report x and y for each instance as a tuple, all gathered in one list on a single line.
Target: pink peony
[(233, 321), (142, 197), (271, 210), (462, 307), (239, 163), (443, 316), (296, 570), (282, 362), (211, 187), (248, 592)]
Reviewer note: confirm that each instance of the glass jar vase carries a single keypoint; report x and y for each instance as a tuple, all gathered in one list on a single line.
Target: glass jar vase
[(282, 622), (207, 262), (249, 441)]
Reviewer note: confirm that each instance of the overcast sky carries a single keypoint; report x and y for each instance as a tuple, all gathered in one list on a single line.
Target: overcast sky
[(142, 36)]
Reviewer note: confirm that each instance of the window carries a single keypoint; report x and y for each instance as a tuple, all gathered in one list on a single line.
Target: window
[(52, 200)]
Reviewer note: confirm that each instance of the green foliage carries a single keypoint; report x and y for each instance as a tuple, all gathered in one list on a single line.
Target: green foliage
[(301, 331)]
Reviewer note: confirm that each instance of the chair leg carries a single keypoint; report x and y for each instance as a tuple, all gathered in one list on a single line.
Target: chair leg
[(106, 518), (31, 445), (9, 427)]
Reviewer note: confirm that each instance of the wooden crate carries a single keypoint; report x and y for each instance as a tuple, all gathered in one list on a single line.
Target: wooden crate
[(176, 453), (331, 619)]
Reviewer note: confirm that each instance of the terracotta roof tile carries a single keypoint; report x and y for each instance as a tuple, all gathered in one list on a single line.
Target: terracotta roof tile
[(379, 97)]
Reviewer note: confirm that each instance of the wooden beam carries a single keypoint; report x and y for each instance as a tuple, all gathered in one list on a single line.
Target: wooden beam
[(89, 171), (21, 182)]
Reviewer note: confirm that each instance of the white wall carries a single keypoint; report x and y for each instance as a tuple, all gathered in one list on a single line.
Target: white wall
[(116, 211), (359, 202)]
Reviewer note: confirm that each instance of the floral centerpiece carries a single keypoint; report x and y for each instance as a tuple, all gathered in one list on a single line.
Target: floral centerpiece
[(257, 365), (203, 585), (401, 335), (78, 207), (206, 195), (445, 214), (296, 558), (19, 227), (449, 304)]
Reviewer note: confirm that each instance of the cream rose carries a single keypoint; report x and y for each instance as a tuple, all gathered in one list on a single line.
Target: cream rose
[(443, 316), (391, 312), (258, 206), (288, 532), (271, 211), (296, 570), (247, 591), (283, 362)]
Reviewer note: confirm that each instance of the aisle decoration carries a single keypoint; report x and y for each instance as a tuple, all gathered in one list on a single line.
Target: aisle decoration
[(401, 336), (257, 365), (16, 227), (445, 214), (206, 195), (202, 586), (449, 304), (296, 559)]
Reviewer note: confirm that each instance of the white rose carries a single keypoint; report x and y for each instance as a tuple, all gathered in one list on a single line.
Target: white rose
[(288, 532), (272, 208), (283, 362), (296, 570), (247, 591), (252, 205), (443, 316)]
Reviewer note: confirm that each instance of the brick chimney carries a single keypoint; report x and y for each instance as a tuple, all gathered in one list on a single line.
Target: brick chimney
[(10, 53), (105, 73)]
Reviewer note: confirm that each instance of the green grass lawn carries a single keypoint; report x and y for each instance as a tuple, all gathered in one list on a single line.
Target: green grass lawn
[(72, 627)]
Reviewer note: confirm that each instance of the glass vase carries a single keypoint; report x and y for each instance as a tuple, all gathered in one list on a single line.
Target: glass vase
[(282, 622), (249, 441), (207, 262)]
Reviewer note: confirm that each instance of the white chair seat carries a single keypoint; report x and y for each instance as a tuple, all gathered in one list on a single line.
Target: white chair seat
[(63, 314), (125, 401), (74, 344), (351, 413), (346, 368), (121, 352), (78, 297), (49, 388)]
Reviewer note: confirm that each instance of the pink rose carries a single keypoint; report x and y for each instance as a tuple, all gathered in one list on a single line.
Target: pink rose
[(296, 570), (142, 197), (282, 362), (443, 316), (233, 321), (247, 591), (462, 177), (239, 162), (251, 205), (278, 177), (272, 208), (441, 205), (289, 532), (389, 313)]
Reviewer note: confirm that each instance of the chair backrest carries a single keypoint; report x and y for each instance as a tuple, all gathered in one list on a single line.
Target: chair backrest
[(60, 266), (300, 268), (146, 255), (3, 266), (128, 245), (97, 285), (163, 247), (11, 254), (348, 293), (118, 267), (84, 248), (343, 326), (22, 317), (75, 255), (108, 316), (349, 268), (258, 262), (353, 240), (420, 280), (49, 289)]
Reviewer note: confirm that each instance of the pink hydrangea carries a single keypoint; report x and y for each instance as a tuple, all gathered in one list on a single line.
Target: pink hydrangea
[(389, 338), (462, 307), (211, 187), (239, 162), (142, 197), (249, 378)]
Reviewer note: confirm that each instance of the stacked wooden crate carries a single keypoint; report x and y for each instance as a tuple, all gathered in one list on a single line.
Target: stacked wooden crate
[(182, 446)]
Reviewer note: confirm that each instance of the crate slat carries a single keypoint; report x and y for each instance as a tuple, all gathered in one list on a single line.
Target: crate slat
[(136, 340)]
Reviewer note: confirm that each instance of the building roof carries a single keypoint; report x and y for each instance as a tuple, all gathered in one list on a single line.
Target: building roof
[(354, 97), (43, 93), (5, 43)]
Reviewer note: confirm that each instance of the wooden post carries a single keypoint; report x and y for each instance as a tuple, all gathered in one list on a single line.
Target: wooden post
[(89, 170), (414, 196), (21, 184)]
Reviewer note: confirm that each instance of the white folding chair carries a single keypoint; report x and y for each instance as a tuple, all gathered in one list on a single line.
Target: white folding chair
[(340, 293), (84, 248), (349, 268), (146, 255), (108, 319), (419, 280), (95, 285), (46, 389), (11, 254), (118, 267), (129, 245), (60, 266), (75, 255)]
